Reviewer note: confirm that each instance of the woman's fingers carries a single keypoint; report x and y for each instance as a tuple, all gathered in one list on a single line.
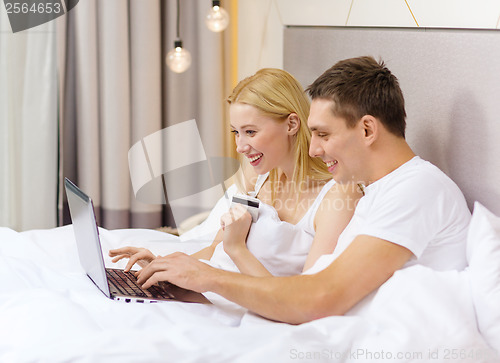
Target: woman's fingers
[(118, 258), (142, 258), (123, 251), (232, 215)]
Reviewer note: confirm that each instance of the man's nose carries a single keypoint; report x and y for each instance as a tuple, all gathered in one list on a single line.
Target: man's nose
[(315, 150)]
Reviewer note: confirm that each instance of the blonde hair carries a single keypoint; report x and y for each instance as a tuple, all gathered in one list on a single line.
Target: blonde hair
[(276, 93)]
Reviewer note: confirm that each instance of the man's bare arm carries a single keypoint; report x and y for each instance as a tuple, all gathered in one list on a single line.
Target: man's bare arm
[(364, 266)]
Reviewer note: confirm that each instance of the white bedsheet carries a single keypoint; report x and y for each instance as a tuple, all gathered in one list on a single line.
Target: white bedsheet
[(51, 312)]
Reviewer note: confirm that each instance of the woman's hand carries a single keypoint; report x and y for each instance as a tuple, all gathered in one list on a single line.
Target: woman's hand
[(141, 256), (235, 225)]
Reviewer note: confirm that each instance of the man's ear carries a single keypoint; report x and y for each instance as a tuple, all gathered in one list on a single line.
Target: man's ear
[(371, 128), (293, 122)]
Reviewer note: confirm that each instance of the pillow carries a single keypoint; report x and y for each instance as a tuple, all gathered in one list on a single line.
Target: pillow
[(207, 230), (483, 255)]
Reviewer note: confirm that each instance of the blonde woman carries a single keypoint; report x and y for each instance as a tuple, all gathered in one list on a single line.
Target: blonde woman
[(302, 210)]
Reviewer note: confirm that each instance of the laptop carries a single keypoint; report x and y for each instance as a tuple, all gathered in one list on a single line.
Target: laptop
[(116, 284)]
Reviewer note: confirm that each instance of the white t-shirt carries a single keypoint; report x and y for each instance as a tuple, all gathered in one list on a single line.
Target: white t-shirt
[(416, 206)]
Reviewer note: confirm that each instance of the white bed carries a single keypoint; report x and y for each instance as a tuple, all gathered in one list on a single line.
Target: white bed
[(51, 312)]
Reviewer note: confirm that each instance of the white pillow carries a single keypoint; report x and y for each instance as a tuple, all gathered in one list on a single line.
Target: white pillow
[(483, 255), (207, 230)]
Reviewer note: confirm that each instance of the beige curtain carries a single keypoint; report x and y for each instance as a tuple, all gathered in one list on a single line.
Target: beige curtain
[(28, 126), (117, 90)]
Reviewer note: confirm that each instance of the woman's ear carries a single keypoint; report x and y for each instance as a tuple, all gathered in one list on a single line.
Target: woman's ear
[(293, 122)]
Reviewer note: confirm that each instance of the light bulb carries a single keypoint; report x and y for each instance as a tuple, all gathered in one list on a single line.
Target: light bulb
[(178, 59), (217, 18)]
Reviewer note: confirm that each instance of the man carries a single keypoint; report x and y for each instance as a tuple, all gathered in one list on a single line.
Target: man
[(411, 212)]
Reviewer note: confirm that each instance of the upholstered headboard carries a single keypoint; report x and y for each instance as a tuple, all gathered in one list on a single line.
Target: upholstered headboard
[(451, 82)]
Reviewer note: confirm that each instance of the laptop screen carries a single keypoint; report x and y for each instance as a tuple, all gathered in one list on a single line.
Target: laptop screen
[(87, 235)]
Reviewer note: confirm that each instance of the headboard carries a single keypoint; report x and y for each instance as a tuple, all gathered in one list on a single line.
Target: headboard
[(451, 82)]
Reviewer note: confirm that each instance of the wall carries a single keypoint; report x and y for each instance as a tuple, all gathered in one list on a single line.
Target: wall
[(261, 22)]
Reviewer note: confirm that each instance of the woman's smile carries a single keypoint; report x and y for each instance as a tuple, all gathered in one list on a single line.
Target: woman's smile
[(255, 159)]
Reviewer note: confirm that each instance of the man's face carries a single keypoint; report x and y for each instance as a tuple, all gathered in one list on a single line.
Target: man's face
[(340, 147)]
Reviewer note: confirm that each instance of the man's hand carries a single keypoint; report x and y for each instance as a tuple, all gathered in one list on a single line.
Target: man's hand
[(179, 269)]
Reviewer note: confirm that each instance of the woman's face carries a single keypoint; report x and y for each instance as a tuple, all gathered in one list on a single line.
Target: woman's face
[(265, 141)]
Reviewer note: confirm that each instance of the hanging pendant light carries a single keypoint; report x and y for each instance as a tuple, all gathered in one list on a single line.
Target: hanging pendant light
[(217, 18), (178, 59)]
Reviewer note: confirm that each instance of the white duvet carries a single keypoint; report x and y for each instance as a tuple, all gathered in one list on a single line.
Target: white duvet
[(51, 312)]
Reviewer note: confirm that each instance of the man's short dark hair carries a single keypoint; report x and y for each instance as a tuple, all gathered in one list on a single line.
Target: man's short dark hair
[(362, 86)]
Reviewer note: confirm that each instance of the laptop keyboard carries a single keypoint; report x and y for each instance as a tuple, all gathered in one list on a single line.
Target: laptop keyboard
[(126, 284)]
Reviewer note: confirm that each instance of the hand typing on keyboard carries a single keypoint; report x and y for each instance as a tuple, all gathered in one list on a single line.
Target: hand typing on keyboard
[(126, 283), (141, 256)]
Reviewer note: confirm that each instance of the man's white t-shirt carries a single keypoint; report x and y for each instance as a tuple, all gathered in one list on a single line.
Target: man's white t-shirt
[(416, 206)]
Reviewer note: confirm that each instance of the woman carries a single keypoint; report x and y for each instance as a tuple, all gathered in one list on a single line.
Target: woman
[(302, 210)]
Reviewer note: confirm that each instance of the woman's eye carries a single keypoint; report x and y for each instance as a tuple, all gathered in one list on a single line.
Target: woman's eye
[(234, 132), (250, 132)]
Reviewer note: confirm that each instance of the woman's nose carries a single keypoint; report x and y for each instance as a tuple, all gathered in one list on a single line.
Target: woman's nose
[(241, 146)]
